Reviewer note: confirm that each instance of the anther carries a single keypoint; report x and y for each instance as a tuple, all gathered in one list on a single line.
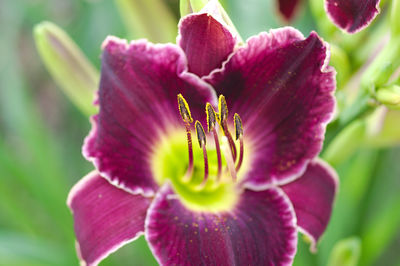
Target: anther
[(187, 118), (184, 109), (222, 108), (201, 136), (211, 117), (211, 122), (239, 135), (238, 126), (223, 121)]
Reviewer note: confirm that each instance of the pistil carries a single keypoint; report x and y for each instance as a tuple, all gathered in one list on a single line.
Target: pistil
[(223, 120), (211, 123), (187, 119), (239, 135), (201, 137)]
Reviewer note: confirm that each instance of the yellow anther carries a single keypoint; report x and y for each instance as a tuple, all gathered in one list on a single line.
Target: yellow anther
[(184, 109), (211, 117), (223, 109), (238, 126), (201, 135)]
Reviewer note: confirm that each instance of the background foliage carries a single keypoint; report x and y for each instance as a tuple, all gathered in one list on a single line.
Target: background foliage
[(41, 134)]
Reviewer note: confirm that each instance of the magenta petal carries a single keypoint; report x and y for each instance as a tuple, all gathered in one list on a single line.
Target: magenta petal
[(260, 230), (105, 217), (288, 8), (352, 15), (312, 196), (138, 104), (206, 42), (281, 87)]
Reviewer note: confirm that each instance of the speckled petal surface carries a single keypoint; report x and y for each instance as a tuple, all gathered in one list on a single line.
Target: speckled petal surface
[(312, 196), (105, 217), (260, 230), (280, 85), (352, 15), (138, 104), (206, 41)]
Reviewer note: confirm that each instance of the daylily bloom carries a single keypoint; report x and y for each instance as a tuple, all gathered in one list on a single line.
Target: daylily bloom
[(349, 15), (239, 193)]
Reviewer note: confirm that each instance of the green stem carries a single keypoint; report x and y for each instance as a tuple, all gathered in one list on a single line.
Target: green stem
[(359, 108)]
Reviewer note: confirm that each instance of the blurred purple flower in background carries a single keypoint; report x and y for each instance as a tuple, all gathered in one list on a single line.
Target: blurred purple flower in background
[(349, 15), (229, 201)]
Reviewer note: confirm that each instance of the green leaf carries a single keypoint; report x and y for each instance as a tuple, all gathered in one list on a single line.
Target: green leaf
[(16, 249)]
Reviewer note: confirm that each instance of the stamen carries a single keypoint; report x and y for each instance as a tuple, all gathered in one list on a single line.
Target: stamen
[(211, 117), (223, 118), (184, 109), (211, 122), (222, 108), (201, 137), (228, 158), (239, 135), (187, 119)]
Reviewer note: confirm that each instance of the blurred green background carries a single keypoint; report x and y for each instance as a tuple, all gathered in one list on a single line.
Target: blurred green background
[(41, 134)]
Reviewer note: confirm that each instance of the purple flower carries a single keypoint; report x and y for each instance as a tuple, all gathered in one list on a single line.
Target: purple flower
[(349, 15), (288, 8), (237, 195), (352, 15)]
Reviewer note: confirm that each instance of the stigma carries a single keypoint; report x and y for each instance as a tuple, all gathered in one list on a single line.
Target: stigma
[(218, 127)]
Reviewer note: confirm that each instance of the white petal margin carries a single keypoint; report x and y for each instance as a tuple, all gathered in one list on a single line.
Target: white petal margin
[(88, 201), (179, 236), (318, 197)]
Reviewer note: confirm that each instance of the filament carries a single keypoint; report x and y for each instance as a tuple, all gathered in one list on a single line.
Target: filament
[(189, 171), (223, 118), (201, 137), (187, 119), (239, 135), (229, 158), (239, 164), (218, 150)]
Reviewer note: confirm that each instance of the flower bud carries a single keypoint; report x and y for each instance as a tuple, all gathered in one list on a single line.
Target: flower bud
[(191, 6), (389, 96), (150, 19), (66, 63), (394, 18), (383, 66), (346, 252), (383, 128)]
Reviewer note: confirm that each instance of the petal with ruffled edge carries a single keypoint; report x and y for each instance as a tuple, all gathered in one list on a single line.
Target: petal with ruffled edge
[(288, 8), (205, 39), (280, 85), (138, 105), (352, 15), (105, 217), (260, 230), (312, 196)]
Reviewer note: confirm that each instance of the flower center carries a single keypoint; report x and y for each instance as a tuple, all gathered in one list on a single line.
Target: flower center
[(204, 175)]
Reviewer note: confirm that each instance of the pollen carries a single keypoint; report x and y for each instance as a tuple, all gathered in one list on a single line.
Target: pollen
[(223, 109), (184, 109), (201, 135), (211, 117), (208, 184), (238, 126)]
